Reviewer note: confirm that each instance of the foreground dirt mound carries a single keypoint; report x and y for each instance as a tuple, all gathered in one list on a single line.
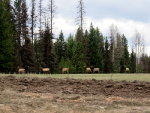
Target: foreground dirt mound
[(133, 89)]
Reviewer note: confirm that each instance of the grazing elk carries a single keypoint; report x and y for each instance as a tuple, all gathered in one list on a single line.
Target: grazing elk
[(127, 70), (96, 70), (88, 70), (21, 70), (65, 70), (46, 70)]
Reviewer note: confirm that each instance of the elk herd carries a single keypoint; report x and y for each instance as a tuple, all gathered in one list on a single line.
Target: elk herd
[(66, 70), (90, 70)]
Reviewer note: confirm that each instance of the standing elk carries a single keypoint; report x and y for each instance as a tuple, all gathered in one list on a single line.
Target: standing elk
[(96, 70), (21, 70), (127, 70), (46, 70), (65, 70), (88, 70)]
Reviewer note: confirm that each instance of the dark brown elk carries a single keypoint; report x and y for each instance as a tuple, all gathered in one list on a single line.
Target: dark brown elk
[(21, 70), (88, 70), (65, 70), (96, 70), (45, 70)]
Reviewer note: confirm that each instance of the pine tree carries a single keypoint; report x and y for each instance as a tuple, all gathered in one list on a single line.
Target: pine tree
[(122, 65), (100, 47), (107, 58), (60, 48), (28, 56), (124, 62), (48, 59), (144, 61), (79, 35), (77, 58), (75, 55), (17, 18), (37, 50), (133, 62), (126, 52), (94, 48), (70, 44), (85, 47), (7, 41)]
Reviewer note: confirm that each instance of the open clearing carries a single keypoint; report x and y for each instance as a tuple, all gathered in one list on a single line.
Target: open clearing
[(68, 95), (116, 77)]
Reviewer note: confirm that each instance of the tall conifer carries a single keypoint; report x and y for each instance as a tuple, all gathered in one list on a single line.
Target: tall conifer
[(7, 40)]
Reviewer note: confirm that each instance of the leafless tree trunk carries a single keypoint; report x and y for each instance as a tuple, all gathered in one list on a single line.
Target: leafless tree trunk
[(40, 17), (138, 45), (113, 36), (52, 9), (81, 13), (118, 52), (24, 18), (33, 20)]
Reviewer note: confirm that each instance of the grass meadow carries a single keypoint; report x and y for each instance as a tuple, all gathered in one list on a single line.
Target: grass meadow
[(115, 77)]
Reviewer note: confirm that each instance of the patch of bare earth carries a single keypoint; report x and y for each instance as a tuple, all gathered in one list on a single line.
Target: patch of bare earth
[(35, 95)]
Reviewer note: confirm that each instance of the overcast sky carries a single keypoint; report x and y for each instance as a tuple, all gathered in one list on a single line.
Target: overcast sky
[(128, 15)]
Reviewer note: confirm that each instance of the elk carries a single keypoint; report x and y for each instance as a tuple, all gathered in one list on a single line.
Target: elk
[(96, 70), (127, 69), (45, 70), (21, 70), (88, 70), (65, 70)]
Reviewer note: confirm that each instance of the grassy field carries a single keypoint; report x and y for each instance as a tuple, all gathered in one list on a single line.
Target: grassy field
[(116, 77), (14, 102)]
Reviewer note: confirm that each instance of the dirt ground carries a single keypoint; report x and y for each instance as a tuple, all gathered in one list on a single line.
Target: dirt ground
[(49, 95)]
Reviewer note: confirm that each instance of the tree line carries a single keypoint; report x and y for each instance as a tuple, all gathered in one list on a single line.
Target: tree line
[(21, 46)]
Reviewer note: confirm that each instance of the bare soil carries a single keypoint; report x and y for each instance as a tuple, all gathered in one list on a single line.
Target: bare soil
[(49, 95), (135, 89)]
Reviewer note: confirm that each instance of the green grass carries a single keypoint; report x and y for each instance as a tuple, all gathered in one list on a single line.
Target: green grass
[(128, 77)]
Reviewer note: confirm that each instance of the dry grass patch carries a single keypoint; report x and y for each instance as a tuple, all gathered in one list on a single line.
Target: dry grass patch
[(14, 102)]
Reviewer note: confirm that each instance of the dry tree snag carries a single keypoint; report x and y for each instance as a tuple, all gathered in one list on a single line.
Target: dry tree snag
[(81, 13), (33, 20)]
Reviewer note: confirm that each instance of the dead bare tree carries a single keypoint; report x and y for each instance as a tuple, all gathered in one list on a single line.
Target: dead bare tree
[(40, 17), (81, 13), (138, 45), (113, 39), (24, 20), (33, 20), (52, 10)]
